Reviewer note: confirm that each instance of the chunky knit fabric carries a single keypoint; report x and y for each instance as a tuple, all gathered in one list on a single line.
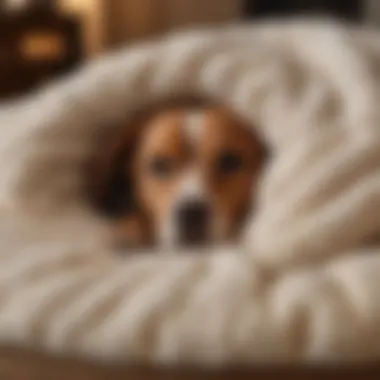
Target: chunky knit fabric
[(304, 284)]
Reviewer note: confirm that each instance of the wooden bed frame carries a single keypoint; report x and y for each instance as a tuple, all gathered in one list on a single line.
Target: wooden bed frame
[(27, 365)]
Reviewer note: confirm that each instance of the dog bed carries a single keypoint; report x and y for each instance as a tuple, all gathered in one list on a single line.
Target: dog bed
[(302, 287)]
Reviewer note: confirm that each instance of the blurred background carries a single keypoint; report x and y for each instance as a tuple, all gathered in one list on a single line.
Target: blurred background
[(43, 39)]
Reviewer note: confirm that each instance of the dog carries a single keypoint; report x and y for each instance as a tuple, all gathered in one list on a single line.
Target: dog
[(183, 176)]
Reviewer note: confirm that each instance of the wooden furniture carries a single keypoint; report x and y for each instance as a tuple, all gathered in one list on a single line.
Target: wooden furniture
[(36, 46), (24, 365)]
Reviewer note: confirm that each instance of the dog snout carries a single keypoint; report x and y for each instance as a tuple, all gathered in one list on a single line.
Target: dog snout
[(193, 221)]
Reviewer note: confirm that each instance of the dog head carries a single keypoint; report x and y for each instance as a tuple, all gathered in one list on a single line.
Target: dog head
[(188, 173)]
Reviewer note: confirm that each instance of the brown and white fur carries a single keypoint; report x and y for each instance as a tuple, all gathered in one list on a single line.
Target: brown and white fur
[(191, 174)]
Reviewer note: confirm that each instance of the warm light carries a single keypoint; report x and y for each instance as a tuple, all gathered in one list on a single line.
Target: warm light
[(91, 13), (42, 46)]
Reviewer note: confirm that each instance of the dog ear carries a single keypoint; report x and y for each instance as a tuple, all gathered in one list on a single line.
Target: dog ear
[(111, 186)]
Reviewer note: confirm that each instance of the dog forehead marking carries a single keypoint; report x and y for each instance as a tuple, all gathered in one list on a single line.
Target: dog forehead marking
[(192, 126)]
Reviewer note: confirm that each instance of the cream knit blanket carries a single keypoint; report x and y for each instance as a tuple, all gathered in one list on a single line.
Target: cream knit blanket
[(305, 283)]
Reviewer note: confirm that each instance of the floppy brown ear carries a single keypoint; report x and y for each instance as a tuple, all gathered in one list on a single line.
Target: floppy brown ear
[(111, 186)]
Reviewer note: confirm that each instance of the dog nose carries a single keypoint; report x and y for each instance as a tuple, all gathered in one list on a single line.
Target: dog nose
[(193, 213), (193, 217)]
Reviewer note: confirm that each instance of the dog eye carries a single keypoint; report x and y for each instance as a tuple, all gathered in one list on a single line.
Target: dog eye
[(229, 162), (161, 166)]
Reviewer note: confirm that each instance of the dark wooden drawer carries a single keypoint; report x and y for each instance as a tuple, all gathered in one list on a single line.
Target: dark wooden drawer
[(35, 48)]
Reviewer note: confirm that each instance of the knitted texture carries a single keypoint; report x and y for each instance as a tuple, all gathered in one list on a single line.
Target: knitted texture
[(303, 285)]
